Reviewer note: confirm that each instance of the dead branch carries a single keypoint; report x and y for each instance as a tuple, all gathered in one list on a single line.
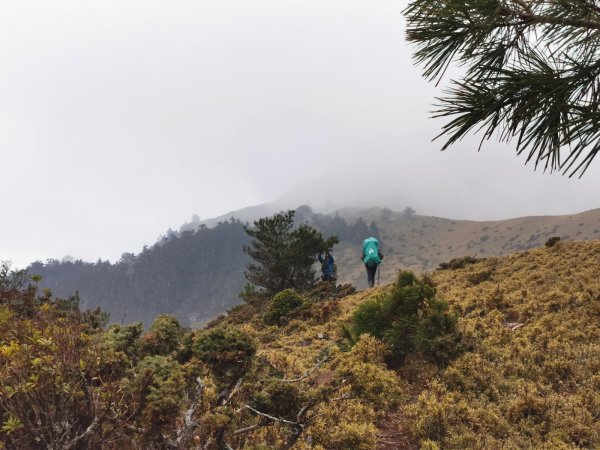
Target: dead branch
[(256, 426), (272, 418), (186, 433)]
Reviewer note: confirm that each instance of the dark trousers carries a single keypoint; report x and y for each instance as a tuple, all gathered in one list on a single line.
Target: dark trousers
[(371, 271)]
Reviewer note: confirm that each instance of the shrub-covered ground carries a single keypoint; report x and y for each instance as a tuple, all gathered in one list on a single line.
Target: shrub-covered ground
[(531, 377), (525, 372)]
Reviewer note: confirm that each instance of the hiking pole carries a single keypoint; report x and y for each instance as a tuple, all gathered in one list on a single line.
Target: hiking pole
[(379, 273)]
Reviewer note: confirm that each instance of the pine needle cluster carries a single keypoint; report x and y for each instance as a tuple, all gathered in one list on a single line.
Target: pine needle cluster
[(531, 73)]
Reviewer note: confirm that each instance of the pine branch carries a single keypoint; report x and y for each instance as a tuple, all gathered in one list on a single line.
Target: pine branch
[(532, 68)]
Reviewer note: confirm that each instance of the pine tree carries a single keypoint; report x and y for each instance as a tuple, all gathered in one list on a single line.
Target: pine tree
[(283, 254), (531, 73)]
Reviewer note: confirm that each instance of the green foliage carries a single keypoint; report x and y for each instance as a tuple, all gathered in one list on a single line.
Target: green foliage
[(279, 399), (161, 385), (124, 338), (51, 390), (530, 73), (369, 318), (280, 307), (226, 350), (409, 318), (436, 335), (11, 424), (283, 255), (164, 336)]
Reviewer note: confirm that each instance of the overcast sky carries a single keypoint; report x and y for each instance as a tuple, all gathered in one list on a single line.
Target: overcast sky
[(121, 118)]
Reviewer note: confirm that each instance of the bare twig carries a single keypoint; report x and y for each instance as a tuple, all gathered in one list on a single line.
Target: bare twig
[(272, 418)]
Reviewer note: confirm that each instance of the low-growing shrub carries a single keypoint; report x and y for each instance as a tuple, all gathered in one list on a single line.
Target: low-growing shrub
[(241, 313), (364, 369), (408, 318), (279, 399), (459, 263), (226, 350), (282, 304), (164, 336)]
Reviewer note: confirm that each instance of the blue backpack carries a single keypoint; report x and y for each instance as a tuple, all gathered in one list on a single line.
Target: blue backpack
[(371, 252)]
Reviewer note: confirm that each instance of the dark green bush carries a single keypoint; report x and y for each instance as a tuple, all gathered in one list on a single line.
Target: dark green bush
[(369, 318), (125, 338), (408, 296), (279, 399), (161, 385), (282, 304), (459, 263), (408, 318), (436, 335), (226, 350)]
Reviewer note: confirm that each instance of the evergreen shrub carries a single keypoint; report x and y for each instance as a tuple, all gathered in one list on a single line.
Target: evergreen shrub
[(436, 335), (164, 336), (282, 304), (279, 399), (161, 384), (227, 350), (409, 318)]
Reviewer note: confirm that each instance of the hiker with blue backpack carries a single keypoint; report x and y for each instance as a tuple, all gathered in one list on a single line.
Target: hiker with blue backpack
[(372, 257), (327, 266)]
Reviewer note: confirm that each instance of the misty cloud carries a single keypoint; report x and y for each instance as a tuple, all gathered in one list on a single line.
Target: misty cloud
[(120, 119)]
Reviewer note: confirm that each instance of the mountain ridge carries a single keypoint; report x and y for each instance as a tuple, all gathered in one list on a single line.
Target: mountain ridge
[(206, 264)]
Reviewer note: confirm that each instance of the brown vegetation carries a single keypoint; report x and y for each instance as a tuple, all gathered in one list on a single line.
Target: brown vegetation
[(526, 376)]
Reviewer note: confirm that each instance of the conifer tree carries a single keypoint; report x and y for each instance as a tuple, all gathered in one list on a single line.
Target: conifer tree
[(283, 254), (530, 73)]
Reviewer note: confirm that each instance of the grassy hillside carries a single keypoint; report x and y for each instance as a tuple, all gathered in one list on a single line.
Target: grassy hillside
[(530, 372), (532, 376), (198, 274), (524, 371), (421, 243)]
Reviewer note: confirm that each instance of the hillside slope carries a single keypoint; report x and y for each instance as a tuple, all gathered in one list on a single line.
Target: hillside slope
[(197, 274), (421, 243), (517, 367), (529, 375)]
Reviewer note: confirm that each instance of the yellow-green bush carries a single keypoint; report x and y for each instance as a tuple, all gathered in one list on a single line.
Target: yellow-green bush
[(365, 371), (526, 379)]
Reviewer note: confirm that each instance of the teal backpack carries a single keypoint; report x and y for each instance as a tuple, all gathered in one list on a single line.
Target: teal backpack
[(371, 251)]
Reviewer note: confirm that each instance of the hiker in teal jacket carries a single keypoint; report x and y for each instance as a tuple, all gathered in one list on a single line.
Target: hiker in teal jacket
[(327, 266), (371, 256)]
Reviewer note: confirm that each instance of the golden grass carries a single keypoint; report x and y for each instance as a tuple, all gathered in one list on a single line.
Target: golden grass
[(529, 378)]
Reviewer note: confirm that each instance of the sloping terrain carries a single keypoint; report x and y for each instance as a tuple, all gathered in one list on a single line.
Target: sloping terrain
[(529, 374), (421, 243), (197, 274), (518, 366)]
